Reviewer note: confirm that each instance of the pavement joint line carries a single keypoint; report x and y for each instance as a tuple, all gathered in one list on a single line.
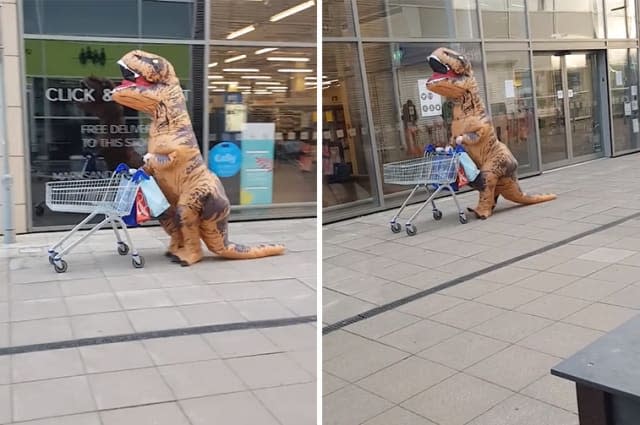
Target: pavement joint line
[(461, 279), (139, 336)]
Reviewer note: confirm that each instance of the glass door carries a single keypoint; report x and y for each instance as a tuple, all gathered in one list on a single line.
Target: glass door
[(569, 108)]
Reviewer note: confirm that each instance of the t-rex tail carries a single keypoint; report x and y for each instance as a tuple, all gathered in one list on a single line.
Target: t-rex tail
[(241, 252), (513, 193)]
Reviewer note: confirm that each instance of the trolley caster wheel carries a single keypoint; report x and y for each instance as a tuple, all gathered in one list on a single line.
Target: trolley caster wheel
[(138, 262), (52, 255), (411, 230), (396, 227), (123, 248), (437, 215), (60, 268), (462, 218)]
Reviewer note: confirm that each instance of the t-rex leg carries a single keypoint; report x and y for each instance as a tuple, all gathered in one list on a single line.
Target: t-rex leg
[(170, 225), (487, 196), (188, 221)]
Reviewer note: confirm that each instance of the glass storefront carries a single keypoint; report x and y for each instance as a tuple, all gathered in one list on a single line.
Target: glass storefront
[(275, 86), (247, 69), (566, 19), (547, 76), (347, 165), (625, 113)]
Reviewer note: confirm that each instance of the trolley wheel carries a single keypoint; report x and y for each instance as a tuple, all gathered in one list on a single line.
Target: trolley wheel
[(51, 257), (411, 230), (60, 268), (437, 215), (123, 248), (396, 227), (463, 218), (137, 261)]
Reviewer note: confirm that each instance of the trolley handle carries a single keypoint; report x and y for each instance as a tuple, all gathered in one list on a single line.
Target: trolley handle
[(138, 175)]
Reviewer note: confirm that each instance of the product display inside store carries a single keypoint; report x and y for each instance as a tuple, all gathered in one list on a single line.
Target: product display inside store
[(271, 90)]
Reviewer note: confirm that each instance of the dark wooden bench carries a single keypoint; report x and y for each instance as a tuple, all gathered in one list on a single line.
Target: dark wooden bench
[(607, 377)]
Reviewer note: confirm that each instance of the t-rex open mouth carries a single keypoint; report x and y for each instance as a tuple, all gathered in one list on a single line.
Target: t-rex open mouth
[(130, 78), (441, 71)]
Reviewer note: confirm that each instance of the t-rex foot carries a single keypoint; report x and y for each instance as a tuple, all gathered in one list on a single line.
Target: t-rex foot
[(170, 255), (185, 258), (481, 214)]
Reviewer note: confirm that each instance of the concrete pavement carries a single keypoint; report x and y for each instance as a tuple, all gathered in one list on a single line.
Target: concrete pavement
[(104, 343), (476, 344)]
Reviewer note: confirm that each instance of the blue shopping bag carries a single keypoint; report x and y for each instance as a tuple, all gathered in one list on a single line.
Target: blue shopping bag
[(153, 195), (470, 167), (130, 220)]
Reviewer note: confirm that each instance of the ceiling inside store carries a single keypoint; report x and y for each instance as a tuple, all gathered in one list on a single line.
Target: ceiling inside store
[(284, 71), (264, 20)]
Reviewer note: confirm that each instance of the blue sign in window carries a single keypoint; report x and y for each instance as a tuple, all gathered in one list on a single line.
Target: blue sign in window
[(225, 159)]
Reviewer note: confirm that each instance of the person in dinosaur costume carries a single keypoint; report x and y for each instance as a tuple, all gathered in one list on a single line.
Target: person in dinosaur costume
[(453, 78), (199, 205), (111, 116)]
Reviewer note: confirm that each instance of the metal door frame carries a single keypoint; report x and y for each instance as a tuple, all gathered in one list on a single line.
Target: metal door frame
[(601, 111)]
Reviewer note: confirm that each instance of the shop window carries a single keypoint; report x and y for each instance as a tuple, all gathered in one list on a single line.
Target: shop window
[(262, 123), (337, 19), (405, 118), (175, 19), (76, 131), (347, 168), (420, 19), (503, 18), (282, 20), (623, 84), (569, 19), (511, 102), (621, 18)]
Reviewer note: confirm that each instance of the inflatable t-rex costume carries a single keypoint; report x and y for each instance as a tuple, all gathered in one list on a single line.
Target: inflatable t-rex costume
[(200, 207), (111, 115), (453, 78)]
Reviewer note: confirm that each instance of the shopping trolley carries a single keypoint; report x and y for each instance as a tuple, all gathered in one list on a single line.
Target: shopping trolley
[(112, 197), (435, 172)]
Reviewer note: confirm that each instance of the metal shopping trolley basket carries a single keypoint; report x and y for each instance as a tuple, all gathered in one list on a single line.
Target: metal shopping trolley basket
[(112, 197), (434, 172)]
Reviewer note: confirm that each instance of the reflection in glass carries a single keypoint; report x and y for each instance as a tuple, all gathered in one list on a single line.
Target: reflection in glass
[(173, 19), (273, 86), (584, 104), (569, 103), (503, 18), (337, 19), (621, 18), (283, 20), (511, 105), (623, 83), (76, 130), (348, 173), (550, 106), (419, 18), (396, 74), (566, 19)]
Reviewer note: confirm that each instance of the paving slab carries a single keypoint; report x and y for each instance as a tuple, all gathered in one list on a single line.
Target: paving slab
[(142, 361), (499, 330)]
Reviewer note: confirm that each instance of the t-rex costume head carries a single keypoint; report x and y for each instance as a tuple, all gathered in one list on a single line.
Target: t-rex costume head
[(200, 207), (110, 145), (453, 78)]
